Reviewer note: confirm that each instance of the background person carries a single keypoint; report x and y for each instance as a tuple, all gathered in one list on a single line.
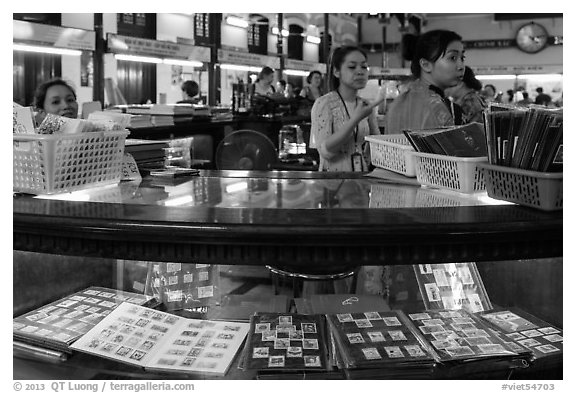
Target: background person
[(57, 97), (314, 88), (467, 95), (263, 84), (438, 64), (341, 119), (542, 98), (190, 91)]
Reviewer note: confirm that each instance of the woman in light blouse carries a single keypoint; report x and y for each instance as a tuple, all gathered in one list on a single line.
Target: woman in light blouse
[(341, 119)]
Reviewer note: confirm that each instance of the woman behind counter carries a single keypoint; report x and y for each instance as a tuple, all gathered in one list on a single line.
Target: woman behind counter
[(56, 97), (314, 89), (438, 64), (341, 119), (263, 84)]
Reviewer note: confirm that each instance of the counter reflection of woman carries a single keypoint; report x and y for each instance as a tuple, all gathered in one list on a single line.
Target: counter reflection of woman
[(467, 95), (341, 119), (56, 97), (438, 64), (314, 88)]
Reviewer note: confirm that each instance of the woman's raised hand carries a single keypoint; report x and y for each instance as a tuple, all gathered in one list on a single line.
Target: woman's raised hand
[(365, 107)]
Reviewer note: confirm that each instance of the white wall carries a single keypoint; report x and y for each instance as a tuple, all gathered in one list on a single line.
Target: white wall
[(71, 64), (474, 27)]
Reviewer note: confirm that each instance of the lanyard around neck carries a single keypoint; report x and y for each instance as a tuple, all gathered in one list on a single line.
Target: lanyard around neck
[(348, 114)]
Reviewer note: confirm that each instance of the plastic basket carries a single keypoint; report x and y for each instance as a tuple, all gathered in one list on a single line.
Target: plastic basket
[(461, 174), (392, 152), (540, 190), (50, 164)]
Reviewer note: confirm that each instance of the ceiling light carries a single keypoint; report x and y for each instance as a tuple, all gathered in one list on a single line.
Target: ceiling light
[(141, 59), (46, 49), (235, 21), (296, 72), (285, 33), (238, 67), (188, 63), (312, 39)]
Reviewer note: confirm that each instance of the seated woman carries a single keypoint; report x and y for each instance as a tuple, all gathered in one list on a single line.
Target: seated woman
[(57, 97), (438, 63), (190, 92)]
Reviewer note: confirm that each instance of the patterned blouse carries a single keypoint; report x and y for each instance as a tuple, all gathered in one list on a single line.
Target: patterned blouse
[(328, 115), (418, 108), (472, 105)]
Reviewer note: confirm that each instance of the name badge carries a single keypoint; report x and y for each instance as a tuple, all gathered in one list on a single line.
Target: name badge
[(357, 162)]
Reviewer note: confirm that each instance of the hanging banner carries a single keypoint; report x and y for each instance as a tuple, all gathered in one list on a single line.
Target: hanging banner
[(245, 58), (53, 36), (518, 69), (145, 47), (303, 65)]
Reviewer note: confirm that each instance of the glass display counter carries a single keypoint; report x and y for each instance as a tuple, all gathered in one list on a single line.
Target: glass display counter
[(290, 219)]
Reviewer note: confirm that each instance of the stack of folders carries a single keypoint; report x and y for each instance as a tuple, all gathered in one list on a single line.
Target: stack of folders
[(525, 138), (50, 330), (468, 140), (542, 340), (379, 344), (146, 152), (286, 345), (464, 346)]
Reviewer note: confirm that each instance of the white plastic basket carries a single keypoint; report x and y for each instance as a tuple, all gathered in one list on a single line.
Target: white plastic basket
[(50, 164), (392, 152), (539, 190), (462, 174)]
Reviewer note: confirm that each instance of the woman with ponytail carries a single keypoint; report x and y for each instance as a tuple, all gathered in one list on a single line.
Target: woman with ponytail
[(438, 64)]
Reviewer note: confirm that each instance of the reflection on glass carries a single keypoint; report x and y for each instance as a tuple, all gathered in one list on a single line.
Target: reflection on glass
[(264, 193)]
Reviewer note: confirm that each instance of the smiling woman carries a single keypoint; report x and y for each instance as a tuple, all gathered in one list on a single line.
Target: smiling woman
[(56, 97), (438, 64)]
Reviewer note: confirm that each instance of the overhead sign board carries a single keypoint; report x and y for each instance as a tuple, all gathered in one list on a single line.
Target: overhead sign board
[(54, 36), (518, 69), (245, 58), (303, 65), (166, 49)]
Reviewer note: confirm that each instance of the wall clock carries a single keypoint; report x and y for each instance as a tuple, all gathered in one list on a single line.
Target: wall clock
[(531, 37)]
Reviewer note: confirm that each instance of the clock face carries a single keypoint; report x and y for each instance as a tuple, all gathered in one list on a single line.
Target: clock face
[(531, 37)]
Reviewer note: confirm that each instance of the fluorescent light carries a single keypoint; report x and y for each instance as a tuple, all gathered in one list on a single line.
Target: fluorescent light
[(296, 72), (235, 21), (141, 59), (312, 39), (495, 77), (285, 33), (189, 63), (541, 77), (46, 49), (238, 67)]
